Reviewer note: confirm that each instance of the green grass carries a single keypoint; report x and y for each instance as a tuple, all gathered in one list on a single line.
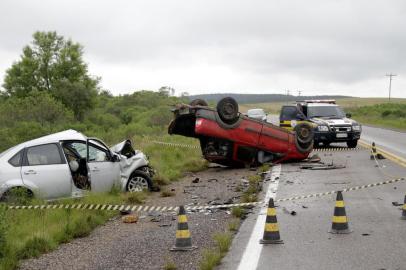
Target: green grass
[(29, 233), (251, 193), (212, 257), (171, 162), (237, 212), (234, 224), (389, 115), (170, 265)]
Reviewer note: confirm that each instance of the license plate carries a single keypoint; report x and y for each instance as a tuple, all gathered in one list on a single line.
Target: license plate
[(341, 135)]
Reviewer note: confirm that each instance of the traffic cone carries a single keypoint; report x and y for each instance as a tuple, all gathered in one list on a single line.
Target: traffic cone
[(373, 151), (271, 231), (404, 210), (340, 221), (183, 239)]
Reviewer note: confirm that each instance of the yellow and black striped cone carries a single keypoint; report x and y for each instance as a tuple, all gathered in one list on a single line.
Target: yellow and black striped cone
[(404, 209), (183, 239), (373, 151), (340, 221), (271, 232)]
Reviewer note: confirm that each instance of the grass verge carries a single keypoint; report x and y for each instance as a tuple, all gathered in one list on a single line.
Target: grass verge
[(212, 257), (389, 115)]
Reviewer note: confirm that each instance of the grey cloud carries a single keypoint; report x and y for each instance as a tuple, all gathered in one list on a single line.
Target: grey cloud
[(336, 41)]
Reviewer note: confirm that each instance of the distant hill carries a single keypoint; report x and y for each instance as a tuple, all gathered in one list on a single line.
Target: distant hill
[(260, 98)]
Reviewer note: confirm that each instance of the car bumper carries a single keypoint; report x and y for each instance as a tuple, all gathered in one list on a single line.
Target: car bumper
[(335, 137)]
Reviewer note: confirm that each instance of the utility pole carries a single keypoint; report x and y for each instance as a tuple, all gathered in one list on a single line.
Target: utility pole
[(299, 92), (390, 82), (287, 96)]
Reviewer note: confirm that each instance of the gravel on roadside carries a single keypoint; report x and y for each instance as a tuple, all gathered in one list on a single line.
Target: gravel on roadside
[(146, 244)]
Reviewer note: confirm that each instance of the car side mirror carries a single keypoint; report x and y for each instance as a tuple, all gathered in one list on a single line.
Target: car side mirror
[(348, 115)]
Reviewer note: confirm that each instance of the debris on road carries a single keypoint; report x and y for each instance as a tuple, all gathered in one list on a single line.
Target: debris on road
[(292, 213), (131, 218), (322, 167), (313, 159), (396, 204), (196, 180)]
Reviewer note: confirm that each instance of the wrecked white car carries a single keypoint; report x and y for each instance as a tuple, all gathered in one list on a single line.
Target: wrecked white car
[(68, 163)]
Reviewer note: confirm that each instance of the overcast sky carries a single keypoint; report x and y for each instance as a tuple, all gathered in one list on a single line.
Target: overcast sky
[(316, 46)]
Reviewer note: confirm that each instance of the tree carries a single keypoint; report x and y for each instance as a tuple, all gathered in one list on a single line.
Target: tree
[(54, 65)]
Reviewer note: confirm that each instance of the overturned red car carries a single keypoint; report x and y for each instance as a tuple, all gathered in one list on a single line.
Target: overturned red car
[(229, 138)]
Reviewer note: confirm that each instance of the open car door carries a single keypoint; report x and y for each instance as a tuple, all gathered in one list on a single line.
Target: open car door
[(104, 170)]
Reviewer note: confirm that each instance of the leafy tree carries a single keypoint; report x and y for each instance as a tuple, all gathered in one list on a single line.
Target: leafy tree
[(55, 65), (39, 107)]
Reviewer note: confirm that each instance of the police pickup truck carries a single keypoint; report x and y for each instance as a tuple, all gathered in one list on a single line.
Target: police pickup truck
[(330, 123)]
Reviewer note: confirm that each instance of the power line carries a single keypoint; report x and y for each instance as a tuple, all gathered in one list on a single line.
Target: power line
[(390, 82)]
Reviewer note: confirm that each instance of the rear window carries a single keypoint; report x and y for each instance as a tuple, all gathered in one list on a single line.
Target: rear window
[(289, 113), (16, 160), (46, 154)]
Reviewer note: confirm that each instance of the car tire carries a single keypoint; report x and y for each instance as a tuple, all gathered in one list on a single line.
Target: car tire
[(304, 147), (352, 143), (17, 195), (304, 133), (227, 109), (198, 102), (139, 181)]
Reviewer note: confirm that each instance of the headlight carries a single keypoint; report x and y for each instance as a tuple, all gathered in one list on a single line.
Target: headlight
[(322, 128), (356, 127)]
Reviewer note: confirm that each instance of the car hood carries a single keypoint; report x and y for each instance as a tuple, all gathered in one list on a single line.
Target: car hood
[(124, 148), (333, 122)]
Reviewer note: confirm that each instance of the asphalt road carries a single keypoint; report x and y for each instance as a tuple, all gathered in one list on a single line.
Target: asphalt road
[(378, 240), (393, 141)]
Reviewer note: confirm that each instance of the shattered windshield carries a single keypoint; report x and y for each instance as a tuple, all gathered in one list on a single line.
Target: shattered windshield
[(325, 111)]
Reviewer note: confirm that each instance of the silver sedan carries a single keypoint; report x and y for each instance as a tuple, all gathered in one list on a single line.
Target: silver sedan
[(66, 164)]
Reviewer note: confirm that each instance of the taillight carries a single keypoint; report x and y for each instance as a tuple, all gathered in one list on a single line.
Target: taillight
[(199, 122)]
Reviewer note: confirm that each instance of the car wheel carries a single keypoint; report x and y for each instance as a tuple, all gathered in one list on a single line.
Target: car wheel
[(17, 195), (138, 182), (304, 147), (304, 133), (198, 102), (352, 143), (227, 108)]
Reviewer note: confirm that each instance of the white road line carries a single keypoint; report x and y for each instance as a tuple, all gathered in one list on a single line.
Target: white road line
[(253, 249)]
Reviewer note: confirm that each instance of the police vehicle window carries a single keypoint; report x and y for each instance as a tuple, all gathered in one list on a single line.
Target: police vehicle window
[(16, 160), (289, 113), (46, 154), (325, 111)]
